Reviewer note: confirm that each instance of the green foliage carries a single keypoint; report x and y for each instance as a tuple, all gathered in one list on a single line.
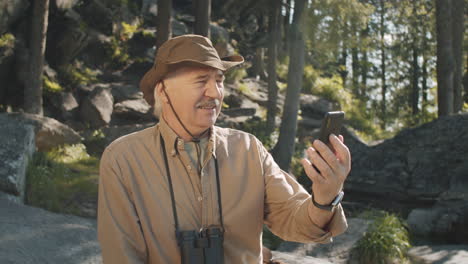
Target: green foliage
[(118, 47), (63, 180), (128, 30), (243, 88), (7, 40), (235, 75), (51, 86), (118, 52), (386, 240), (309, 79), (78, 74), (269, 239), (282, 67), (96, 142), (331, 88)]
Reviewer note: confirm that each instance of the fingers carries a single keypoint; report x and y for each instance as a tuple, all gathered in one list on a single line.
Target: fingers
[(313, 174), (327, 155), (342, 151), (323, 167)]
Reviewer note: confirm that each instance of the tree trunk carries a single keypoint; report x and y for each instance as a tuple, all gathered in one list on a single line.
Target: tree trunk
[(355, 65), (37, 46), (365, 62), (272, 56), (258, 67), (382, 58), (465, 81), (202, 17), (415, 66), (284, 149), (415, 80), (424, 83), (445, 60), (163, 22), (457, 44)]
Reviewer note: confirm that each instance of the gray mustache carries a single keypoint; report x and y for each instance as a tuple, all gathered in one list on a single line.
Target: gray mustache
[(212, 103)]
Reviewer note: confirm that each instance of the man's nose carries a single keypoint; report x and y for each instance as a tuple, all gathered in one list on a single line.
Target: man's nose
[(213, 89)]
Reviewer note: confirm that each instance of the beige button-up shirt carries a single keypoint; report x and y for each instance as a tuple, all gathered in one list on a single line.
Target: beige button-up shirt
[(135, 218)]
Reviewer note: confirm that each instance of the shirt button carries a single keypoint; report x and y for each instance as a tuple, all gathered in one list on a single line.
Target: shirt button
[(200, 198), (179, 142), (173, 152), (189, 167)]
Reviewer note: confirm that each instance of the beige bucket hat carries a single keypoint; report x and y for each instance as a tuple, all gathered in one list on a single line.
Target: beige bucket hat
[(186, 48)]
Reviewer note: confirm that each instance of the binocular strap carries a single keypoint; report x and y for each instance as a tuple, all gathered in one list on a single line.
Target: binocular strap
[(174, 211)]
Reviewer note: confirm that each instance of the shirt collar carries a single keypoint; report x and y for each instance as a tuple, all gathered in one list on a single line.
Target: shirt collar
[(174, 143)]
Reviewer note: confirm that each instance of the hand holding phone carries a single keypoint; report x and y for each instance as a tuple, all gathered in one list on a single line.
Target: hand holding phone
[(331, 124)]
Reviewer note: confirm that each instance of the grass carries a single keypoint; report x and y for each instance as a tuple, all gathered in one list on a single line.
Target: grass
[(386, 240), (63, 180)]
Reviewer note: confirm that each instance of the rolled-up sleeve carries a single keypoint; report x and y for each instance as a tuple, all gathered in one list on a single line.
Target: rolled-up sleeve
[(119, 230), (288, 207)]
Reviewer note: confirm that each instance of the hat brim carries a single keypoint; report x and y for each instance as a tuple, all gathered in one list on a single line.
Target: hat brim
[(156, 73)]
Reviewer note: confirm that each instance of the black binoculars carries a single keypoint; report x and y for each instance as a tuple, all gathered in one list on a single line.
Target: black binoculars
[(202, 247)]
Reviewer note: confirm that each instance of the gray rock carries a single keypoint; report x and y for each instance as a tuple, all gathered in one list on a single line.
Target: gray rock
[(447, 220), (69, 102), (149, 7), (49, 132), (219, 34), (440, 254), (96, 109), (30, 235), (64, 4), (178, 28), (236, 112), (10, 12), (17, 141), (337, 252), (257, 91), (418, 165), (123, 91), (295, 259), (315, 107), (134, 110)]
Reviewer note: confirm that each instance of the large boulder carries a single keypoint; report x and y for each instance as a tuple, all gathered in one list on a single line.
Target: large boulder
[(49, 133), (315, 107), (422, 164), (10, 12), (136, 110), (446, 221), (96, 109), (337, 252), (17, 141), (419, 168)]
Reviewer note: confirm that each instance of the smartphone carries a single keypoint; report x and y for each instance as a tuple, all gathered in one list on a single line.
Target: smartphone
[(331, 124)]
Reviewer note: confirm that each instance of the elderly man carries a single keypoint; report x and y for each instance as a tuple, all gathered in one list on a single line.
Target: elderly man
[(186, 191)]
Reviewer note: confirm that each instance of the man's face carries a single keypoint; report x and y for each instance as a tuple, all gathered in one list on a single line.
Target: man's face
[(196, 93)]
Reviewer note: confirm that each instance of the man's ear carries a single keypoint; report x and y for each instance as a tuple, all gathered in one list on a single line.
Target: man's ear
[(159, 91)]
